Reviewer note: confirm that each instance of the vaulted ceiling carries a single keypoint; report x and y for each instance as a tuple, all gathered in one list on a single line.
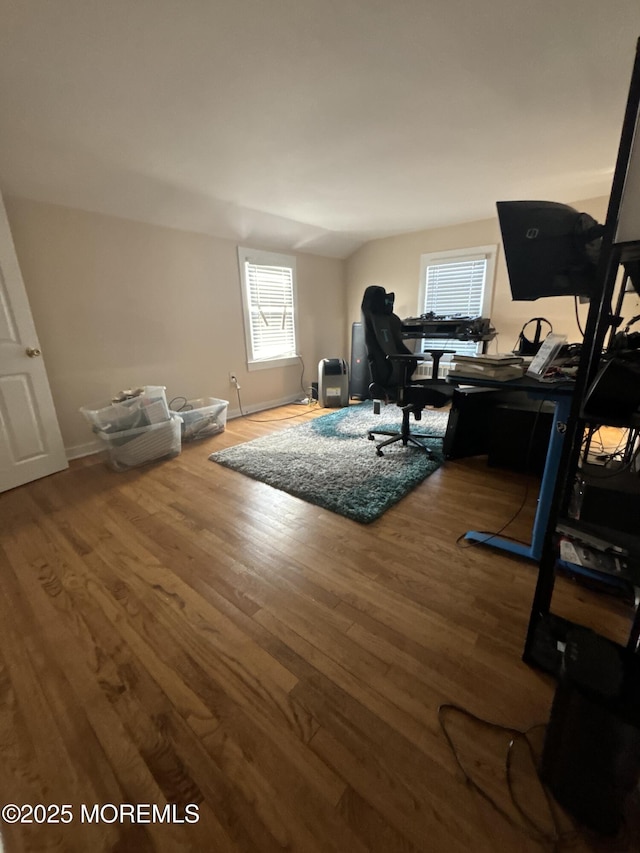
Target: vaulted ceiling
[(311, 124)]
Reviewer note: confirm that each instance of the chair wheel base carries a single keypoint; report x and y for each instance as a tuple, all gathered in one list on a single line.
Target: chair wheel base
[(407, 440)]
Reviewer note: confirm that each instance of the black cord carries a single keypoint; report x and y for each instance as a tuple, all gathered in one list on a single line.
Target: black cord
[(531, 829), (498, 532), (185, 406), (610, 474), (303, 389), (523, 502), (575, 305), (312, 405), (603, 455), (625, 439)]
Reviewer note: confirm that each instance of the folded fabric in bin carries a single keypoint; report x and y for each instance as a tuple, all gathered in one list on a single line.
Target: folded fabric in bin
[(147, 406), (131, 448)]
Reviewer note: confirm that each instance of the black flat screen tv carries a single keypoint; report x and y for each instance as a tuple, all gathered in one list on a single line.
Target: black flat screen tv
[(551, 249)]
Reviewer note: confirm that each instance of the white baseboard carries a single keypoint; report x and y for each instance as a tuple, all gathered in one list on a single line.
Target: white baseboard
[(260, 407), (79, 450)]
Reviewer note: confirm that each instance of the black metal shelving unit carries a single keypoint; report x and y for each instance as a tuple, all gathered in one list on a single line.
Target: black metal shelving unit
[(547, 630)]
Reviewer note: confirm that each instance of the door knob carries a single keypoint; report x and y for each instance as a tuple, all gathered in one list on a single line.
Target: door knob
[(33, 352)]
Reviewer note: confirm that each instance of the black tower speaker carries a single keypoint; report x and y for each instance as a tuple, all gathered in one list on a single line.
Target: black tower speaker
[(591, 756), (360, 379)]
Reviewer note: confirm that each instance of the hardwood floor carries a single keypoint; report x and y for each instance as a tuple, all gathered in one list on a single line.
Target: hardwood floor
[(182, 634)]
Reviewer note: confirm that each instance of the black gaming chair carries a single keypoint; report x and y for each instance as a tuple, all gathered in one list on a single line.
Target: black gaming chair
[(391, 364)]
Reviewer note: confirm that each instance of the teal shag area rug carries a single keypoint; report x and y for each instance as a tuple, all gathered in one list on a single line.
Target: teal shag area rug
[(330, 462)]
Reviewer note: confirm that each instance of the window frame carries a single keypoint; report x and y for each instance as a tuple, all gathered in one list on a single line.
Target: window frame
[(429, 259), (266, 258)]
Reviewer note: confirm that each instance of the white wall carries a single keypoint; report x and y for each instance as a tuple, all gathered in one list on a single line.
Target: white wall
[(119, 303)]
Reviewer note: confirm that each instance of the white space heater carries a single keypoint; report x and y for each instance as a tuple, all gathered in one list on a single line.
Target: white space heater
[(333, 382)]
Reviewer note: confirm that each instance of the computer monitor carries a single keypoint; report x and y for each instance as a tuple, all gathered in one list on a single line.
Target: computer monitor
[(551, 249)]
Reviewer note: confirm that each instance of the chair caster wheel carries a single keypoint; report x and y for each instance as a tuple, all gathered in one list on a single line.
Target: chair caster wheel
[(379, 453), (370, 437)]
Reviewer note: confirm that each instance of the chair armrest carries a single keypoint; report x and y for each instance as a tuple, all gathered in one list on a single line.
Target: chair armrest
[(407, 364), (402, 357), (436, 355)]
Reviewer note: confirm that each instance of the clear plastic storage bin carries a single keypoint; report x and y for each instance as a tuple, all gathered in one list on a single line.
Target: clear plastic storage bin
[(150, 407), (133, 447), (202, 418)]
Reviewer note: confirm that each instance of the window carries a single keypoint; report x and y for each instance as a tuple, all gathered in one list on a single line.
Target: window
[(457, 283), (269, 302)]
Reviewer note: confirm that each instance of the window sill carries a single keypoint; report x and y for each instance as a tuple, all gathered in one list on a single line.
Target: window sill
[(267, 363)]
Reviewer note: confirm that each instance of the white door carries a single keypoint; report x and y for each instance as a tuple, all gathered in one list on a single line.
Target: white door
[(30, 441)]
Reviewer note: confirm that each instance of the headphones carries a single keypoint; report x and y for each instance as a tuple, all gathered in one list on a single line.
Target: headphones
[(626, 340), (527, 347)]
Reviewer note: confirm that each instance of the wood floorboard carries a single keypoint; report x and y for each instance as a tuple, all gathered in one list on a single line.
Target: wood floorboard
[(181, 634)]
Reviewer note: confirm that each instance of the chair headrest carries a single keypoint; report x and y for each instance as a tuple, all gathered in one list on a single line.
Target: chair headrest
[(376, 300)]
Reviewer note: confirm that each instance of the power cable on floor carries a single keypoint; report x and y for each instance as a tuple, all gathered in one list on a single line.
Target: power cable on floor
[(523, 502), (531, 829), (311, 405)]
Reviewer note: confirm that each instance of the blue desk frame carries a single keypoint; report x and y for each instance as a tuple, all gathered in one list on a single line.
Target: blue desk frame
[(560, 394)]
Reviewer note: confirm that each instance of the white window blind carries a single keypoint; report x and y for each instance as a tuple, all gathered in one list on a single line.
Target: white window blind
[(269, 303), (455, 286)]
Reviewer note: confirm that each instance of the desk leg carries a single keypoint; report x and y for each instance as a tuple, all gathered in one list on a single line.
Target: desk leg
[(547, 488)]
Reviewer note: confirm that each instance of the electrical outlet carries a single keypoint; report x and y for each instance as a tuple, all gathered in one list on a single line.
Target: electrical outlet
[(233, 379)]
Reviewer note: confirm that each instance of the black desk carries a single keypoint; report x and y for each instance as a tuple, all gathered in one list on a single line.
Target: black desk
[(560, 394)]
